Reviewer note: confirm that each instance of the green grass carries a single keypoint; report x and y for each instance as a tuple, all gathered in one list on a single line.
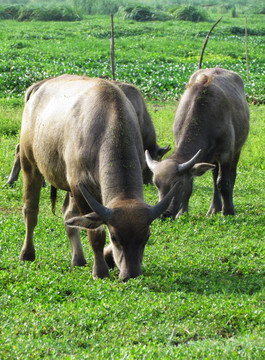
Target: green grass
[(201, 295), (158, 57)]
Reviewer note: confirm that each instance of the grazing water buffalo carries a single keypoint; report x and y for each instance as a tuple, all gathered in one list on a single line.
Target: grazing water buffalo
[(82, 135), (212, 122), (146, 128)]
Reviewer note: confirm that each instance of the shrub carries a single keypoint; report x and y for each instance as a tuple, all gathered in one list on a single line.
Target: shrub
[(141, 13), (261, 10), (9, 11), (190, 13), (54, 12), (235, 30), (234, 12), (138, 13)]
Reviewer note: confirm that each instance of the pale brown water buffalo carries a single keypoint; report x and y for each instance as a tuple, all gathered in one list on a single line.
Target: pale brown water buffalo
[(211, 125), (82, 135), (146, 128)]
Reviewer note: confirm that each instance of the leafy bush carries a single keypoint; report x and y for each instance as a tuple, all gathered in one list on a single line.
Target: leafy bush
[(234, 12), (141, 13), (53, 12), (236, 30), (261, 10), (190, 13), (9, 11)]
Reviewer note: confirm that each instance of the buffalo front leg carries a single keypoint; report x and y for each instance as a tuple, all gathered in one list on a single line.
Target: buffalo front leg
[(97, 239), (32, 186), (225, 185), (216, 203), (70, 210)]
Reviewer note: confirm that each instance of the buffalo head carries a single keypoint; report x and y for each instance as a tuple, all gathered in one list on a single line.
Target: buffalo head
[(169, 173), (128, 222)]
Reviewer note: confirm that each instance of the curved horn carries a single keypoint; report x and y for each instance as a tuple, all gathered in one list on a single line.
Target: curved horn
[(150, 162), (100, 209), (188, 165), (159, 208)]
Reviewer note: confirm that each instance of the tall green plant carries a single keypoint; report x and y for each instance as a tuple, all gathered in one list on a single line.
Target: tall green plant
[(97, 7), (190, 13), (49, 12)]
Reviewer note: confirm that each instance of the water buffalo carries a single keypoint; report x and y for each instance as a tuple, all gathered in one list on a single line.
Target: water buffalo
[(211, 125), (146, 128), (82, 135)]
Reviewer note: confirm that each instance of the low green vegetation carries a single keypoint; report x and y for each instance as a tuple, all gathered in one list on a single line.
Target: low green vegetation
[(158, 57), (202, 294)]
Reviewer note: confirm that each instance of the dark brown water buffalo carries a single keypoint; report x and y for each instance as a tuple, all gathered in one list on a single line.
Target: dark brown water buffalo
[(82, 135), (211, 125), (146, 128)]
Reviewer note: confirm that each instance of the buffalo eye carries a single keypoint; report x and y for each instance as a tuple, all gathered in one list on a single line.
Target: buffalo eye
[(113, 238), (157, 184)]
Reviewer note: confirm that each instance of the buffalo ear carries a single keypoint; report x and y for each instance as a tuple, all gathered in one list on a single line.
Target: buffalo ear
[(200, 168), (89, 221)]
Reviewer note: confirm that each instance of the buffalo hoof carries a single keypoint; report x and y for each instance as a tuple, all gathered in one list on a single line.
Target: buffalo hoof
[(228, 212), (212, 212), (181, 213), (78, 262), (27, 255), (108, 255), (214, 209), (125, 277), (100, 271), (10, 184)]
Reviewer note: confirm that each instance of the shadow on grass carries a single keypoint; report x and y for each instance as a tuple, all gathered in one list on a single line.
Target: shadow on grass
[(206, 281)]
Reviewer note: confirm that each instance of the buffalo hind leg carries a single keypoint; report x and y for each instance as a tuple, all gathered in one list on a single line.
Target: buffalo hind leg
[(97, 239), (16, 167), (70, 210), (32, 187), (216, 203), (233, 169)]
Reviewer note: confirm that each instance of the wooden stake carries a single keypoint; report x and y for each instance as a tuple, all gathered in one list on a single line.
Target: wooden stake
[(112, 56), (246, 36), (206, 40)]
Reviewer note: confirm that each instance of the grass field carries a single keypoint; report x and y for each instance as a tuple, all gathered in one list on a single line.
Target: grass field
[(156, 56), (202, 294)]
